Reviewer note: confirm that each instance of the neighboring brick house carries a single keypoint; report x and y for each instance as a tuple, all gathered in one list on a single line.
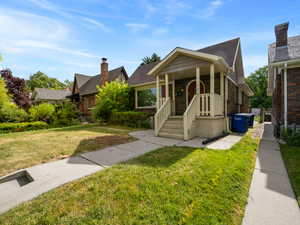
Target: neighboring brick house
[(85, 87), (41, 95), (284, 78), (209, 81)]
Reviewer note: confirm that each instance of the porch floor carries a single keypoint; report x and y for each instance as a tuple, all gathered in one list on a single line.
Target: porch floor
[(220, 144)]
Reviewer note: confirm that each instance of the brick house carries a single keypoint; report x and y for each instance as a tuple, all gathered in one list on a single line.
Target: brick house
[(284, 78), (85, 87), (192, 92)]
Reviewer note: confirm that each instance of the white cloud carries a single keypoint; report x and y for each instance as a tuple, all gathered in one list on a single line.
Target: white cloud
[(160, 31), (16, 24), (44, 4), (98, 24), (26, 33), (257, 60), (136, 27), (211, 9), (54, 47)]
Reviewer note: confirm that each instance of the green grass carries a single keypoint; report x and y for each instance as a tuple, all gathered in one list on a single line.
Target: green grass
[(23, 149), (291, 157), (172, 185)]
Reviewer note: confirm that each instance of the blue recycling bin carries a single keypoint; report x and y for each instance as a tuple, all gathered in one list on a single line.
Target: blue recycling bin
[(250, 118), (239, 123)]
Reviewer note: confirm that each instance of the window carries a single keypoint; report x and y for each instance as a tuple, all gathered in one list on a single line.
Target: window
[(147, 97)]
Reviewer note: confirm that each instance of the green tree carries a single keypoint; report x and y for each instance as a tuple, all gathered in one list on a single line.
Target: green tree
[(153, 58), (1, 58), (68, 83), (41, 80), (258, 82), (9, 111), (3, 93), (113, 96)]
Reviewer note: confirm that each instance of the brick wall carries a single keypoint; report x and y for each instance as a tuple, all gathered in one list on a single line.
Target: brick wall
[(86, 103), (293, 90)]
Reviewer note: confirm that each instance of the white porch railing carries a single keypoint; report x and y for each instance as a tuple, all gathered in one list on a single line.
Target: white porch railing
[(204, 104), (190, 115), (219, 105), (162, 115)]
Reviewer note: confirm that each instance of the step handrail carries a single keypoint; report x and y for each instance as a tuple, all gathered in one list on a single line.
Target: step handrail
[(162, 115), (190, 115)]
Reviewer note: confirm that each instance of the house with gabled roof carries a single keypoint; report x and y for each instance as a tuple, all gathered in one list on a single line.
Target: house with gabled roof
[(284, 79), (85, 87), (47, 95), (192, 92)]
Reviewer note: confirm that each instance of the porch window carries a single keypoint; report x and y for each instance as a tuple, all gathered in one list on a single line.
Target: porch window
[(147, 97)]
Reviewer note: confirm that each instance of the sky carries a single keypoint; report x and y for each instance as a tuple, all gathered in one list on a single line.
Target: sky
[(63, 37)]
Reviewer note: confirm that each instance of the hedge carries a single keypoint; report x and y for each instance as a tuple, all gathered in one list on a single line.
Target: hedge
[(131, 119), (16, 127)]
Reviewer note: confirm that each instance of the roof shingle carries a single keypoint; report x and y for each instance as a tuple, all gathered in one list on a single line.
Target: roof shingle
[(226, 49), (90, 86)]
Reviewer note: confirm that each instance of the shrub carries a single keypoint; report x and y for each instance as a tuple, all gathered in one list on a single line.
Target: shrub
[(42, 112), (9, 112), (291, 136), (66, 114), (15, 127), (131, 119), (112, 97)]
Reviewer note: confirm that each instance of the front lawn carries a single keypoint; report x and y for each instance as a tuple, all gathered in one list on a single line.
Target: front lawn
[(291, 157), (172, 185), (24, 149)]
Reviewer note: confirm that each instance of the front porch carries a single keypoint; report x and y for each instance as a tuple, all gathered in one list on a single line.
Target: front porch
[(195, 92)]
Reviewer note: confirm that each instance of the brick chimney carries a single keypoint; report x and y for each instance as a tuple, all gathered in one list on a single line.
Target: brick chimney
[(281, 32), (104, 71)]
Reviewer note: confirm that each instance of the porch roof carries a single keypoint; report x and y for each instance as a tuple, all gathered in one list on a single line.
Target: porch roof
[(217, 60)]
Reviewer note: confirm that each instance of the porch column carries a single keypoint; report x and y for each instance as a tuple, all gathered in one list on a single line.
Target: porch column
[(167, 85), (198, 88), (222, 89), (226, 109), (212, 90), (157, 93), (285, 95)]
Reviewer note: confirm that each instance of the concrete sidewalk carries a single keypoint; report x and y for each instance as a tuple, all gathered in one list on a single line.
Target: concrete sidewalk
[(271, 198), (54, 174)]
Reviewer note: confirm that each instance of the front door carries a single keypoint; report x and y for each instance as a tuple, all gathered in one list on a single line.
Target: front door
[(192, 90)]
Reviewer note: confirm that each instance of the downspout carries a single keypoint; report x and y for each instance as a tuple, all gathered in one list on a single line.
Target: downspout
[(285, 95)]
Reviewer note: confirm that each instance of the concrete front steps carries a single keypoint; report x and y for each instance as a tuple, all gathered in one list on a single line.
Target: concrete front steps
[(172, 128)]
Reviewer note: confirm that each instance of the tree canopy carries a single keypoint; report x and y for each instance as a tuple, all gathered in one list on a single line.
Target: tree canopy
[(41, 80), (151, 59), (258, 82), (16, 89), (3, 92)]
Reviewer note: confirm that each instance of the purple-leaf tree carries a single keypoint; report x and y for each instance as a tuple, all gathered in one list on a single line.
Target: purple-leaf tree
[(16, 88)]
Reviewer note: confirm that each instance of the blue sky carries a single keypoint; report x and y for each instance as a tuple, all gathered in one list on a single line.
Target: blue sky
[(61, 37)]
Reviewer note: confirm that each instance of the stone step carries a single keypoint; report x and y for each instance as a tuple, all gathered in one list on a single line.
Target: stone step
[(174, 122), (169, 135), (171, 130), (173, 125)]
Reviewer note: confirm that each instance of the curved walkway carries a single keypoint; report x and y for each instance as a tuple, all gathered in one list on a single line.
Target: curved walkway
[(271, 198)]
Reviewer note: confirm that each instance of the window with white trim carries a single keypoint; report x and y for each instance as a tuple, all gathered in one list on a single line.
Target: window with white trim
[(146, 97)]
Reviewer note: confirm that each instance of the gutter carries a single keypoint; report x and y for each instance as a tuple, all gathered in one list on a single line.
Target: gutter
[(284, 63), (285, 95)]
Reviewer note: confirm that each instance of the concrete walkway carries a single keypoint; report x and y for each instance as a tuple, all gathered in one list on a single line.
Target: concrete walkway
[(271, 198), (54, 174)]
